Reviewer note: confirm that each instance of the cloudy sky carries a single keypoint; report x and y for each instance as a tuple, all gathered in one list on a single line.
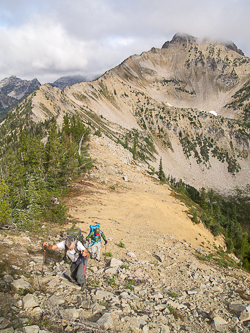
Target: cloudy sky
[(48, 39)]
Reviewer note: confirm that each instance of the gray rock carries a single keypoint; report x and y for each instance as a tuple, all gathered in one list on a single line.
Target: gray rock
[(8, 278), (165, 329), (131, 254), (218, 323), (105, 321), (244, 316), (85, 304), (133, 322), (111, 271), (159, 257), (52, 283), (143, 320), (237, 307), (20, 284), (3, 323), (145, 329), (36, 312), (115, 262), (30, 301), (71, 285), (96, 308), (72, 314), (103, 295), (7, 330), (31, 329), (55, 300), (195, 291)]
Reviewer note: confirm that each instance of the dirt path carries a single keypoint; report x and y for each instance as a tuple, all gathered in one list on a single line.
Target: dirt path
[(138, 211)]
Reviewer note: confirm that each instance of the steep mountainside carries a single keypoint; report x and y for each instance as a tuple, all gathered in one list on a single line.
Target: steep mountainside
[(169, 276), (12, 90), (156, 100)]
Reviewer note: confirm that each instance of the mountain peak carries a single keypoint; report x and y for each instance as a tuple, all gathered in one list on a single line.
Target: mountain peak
[(184, 39), (232, 46), (180, 38)]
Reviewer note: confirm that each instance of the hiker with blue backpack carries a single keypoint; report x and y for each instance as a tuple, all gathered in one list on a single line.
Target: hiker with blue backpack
[(94, 237)]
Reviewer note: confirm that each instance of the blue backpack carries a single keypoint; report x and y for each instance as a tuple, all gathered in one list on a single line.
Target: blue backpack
[(93, 227)]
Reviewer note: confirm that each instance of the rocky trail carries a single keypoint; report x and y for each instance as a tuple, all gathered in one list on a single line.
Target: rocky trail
[(152, 278)]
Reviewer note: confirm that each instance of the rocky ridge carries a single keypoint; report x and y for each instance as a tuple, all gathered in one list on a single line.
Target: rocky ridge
[(13, 89), (167, 95), (154, 283)]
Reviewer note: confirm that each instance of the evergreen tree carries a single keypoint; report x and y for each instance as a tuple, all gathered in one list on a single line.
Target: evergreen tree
[(161, 173), (134, 149), (5, 210), (203, 199), (126, 142)]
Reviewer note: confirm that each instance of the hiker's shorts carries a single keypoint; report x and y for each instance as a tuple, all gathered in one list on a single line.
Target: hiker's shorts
[(78, 272), (95, 250)]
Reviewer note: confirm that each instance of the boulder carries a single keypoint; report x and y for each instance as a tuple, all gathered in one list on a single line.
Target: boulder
[(20, 284), (237, 307), (3, 323), (218, 324), (8, 278), (7, 330), (103, 295), (115, 262), (55, 300), (105, 321), (31, 329), (30, 301), (72, 314)]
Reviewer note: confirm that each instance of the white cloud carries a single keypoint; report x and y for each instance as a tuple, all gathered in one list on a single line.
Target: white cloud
[(49, 39)]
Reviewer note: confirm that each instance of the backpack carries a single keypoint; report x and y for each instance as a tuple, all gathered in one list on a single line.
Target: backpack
[(78, 236), (93, 227)]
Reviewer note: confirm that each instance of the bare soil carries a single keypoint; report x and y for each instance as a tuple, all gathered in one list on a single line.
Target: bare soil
[(131, 206)]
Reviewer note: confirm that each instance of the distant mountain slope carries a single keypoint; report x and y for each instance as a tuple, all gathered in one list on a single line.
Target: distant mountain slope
[(71, 79), (152, 103), (12, 90)]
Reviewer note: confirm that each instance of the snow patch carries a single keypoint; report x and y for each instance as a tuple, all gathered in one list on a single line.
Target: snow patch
[(214, 113)]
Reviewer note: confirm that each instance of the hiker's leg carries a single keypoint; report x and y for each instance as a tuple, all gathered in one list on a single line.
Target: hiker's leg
[(93, 251), (73, 270), (98, 251), (81, 272)]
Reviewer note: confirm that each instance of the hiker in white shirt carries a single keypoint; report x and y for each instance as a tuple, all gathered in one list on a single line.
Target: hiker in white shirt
[(78, 255)]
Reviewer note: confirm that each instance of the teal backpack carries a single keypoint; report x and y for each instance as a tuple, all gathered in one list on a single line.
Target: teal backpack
[(93, 227)]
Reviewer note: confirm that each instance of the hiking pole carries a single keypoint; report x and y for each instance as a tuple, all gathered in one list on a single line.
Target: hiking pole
[(44, 257), (85, 283), (105, 252)]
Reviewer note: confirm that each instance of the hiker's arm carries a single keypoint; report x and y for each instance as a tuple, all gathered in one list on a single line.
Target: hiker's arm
[(89, 235), (103, 236), (50, 247)]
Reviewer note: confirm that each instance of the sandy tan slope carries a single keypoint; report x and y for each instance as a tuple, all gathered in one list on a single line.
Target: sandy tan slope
[(138, 210)]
